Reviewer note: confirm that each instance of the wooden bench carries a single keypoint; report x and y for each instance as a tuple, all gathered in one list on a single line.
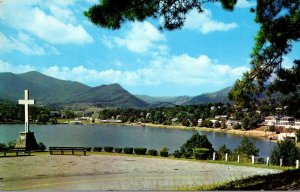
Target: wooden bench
[(62, 150), (18, 151)]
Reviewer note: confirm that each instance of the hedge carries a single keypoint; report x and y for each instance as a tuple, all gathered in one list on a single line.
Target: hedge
[(97, 149), (128, 150), (153, 152), (201, 153), (108, 149), (164, 153), (177, 154), (118, 150), (140, 151)]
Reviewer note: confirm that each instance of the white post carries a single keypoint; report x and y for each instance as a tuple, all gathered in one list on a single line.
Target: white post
[(214, 156), (253, 159), (238, 158), (226, 157), (268, 160), (280, 162), (297, 164)]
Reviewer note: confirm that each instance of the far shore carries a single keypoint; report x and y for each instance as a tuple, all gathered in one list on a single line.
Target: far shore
[(258, 133)]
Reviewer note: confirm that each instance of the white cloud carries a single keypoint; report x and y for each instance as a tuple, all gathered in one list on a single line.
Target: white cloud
[(204, 22), (140, 38), (24, 44), (7, 67), (181, 70), (56, 27), (245, 4)]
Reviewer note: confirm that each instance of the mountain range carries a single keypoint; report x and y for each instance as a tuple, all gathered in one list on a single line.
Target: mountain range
[(50, 91)]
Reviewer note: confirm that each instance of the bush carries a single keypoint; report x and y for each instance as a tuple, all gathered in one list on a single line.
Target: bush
[(89, 149), (108, 149), (153, 152), (196, 141), (247, 148), (12, 144), (97, 149), (41, 146), (118, 150), (223, 150), (286, 150), (201, 153), (3, 146), (128, 150), (164, 152), (140, 151), (237, 126), (177, 154)]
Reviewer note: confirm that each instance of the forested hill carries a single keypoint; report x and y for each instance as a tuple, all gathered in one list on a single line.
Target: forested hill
[(215, 97), (51, 91)]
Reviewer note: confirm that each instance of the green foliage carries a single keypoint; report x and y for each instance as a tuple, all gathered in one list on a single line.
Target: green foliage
[(298, 135), (186, 122), (223, 150), (41, 146), (196, 141), (237, 126), (272, 128), (97, 149), (201, 153), (11, 144), (118, 150), (140, 151), (108, 149), (153, 152), (128, 150), (53, 120), (164, 152), (286, 150), (177, 154), (217, 124), (247, 148), (3, 146)]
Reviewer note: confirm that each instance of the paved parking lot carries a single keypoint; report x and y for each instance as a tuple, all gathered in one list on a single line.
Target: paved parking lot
[(111, 172)]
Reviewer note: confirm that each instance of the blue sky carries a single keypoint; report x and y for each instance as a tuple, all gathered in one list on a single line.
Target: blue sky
[(53, 37)]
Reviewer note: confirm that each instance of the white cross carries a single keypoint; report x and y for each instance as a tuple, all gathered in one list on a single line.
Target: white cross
[(26, 102)]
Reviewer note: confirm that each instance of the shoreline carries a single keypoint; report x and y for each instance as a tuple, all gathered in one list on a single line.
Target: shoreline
[(251, 133)]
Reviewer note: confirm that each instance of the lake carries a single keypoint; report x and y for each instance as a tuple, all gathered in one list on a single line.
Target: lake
[(124, 136)]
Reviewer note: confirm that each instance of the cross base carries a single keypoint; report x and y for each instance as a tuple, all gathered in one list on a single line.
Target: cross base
[(27, 141)]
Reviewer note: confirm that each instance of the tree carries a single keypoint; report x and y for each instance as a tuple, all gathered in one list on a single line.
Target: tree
[(196, 141), (246, 148), (298, 135), (286, 150), (279, 27)]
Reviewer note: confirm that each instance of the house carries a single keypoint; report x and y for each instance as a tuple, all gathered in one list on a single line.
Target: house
[(283, 136), (281, 121), (55, 114), (221, 117), (232, 122), (199, 122), (174, 120)]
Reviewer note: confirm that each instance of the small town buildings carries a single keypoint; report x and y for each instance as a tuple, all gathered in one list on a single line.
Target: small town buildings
[(232, 122), (283, 136), (221, 117), (55, 114), (199, 122), (282, 121)]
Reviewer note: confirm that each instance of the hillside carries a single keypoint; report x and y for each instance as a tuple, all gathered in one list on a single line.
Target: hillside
[(51, 91), (176, 100), (215, 97)]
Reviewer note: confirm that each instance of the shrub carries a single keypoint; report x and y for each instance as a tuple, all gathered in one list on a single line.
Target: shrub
[(118, 150), (128, 150), (3, 146), (153, 152), (201, 153), (286, 150), (196, 141), (88, 149), (140, 151), (177, 154), (97, 149), (164, 152), (11, 144), (223, 150), (108, 149), (237, 126), (247, 148), (41, 146)]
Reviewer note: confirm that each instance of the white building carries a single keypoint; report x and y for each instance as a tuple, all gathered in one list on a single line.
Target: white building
[(282, 121), (283, 136), (231, 122)]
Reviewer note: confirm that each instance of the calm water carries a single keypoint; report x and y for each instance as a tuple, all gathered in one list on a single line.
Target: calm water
[(122, 136)]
